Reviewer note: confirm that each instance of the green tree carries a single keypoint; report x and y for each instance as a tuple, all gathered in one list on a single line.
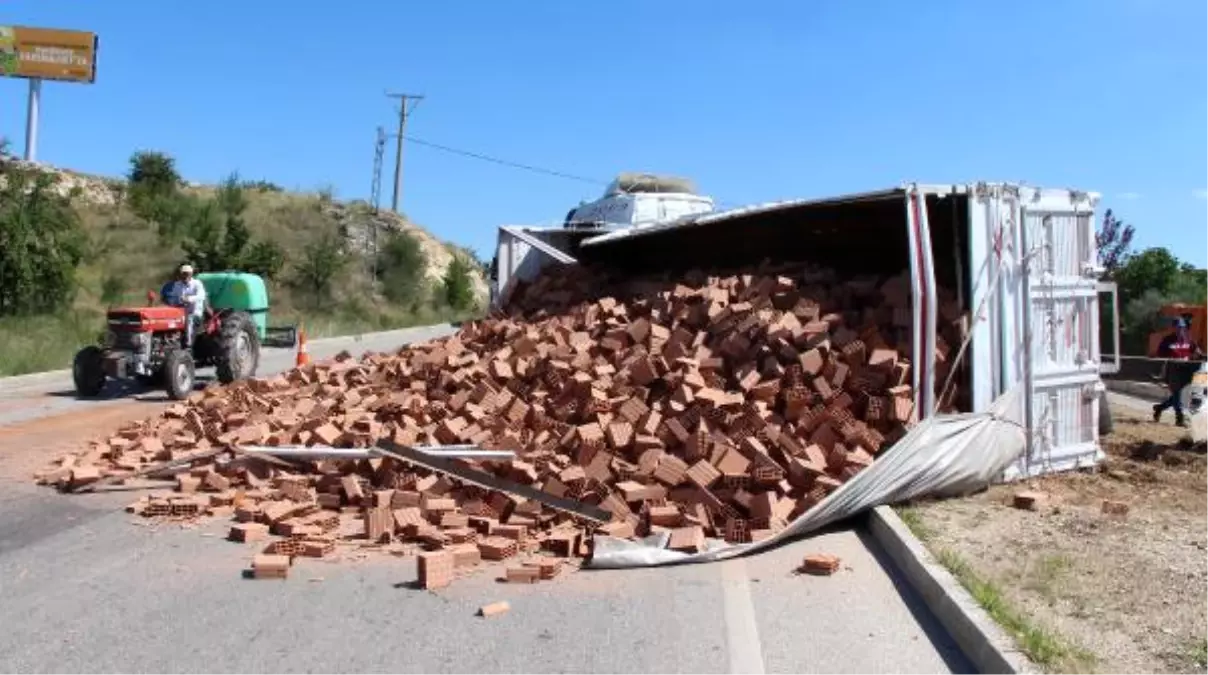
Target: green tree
[(1153, 269), (320, 265), (232, 202), (153, 172), (265, 258), (401, 263), (458, 284), (218, 238), (204, 246), (153, 193), (41, 244)]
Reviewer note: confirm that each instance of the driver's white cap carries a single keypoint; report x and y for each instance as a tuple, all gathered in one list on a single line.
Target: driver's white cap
[(186, 269)]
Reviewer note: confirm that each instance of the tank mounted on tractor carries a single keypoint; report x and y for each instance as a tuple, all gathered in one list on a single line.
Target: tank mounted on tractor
[(149, 344)]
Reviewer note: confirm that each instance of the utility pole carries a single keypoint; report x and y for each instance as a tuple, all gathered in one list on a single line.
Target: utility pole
[(403, 113), (379, 152), (375, 198)]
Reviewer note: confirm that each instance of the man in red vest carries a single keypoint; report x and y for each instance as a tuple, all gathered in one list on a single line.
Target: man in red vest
[(1179, 347)]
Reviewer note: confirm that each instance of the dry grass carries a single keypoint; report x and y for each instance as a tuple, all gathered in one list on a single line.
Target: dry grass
[(1081, 590)]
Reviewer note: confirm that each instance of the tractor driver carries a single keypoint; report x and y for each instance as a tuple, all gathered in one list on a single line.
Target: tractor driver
[(189, 293)]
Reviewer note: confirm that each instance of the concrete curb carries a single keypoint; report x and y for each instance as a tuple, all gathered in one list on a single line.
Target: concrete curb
[(985, 643), (29, 379)]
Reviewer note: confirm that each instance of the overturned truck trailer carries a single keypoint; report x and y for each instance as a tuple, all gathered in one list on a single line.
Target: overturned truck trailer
[(1021, 261)]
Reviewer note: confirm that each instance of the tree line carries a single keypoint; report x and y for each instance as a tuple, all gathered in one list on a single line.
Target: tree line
[(43, 242)]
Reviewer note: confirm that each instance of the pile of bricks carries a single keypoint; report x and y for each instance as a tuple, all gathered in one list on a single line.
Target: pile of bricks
[(702, 407)]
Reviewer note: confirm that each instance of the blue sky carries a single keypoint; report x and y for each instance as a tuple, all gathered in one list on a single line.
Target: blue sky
[(764, 101)]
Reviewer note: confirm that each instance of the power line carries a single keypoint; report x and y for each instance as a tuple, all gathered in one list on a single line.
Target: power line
[(519, 165), (505, 162)]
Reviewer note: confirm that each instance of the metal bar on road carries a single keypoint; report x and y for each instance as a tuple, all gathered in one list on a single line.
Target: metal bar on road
[(488, 481), (328, 452)]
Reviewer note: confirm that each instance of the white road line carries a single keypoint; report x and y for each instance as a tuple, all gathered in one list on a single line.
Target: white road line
[(742, 635)]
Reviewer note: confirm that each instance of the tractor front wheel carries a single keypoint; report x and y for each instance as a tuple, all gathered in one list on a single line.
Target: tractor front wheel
[(88, 371), (179, 374), (240, 345)]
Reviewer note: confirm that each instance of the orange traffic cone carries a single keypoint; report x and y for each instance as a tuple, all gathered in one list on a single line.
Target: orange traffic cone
[(302, 357)]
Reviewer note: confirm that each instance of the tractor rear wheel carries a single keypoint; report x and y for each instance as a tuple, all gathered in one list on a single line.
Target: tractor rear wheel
[(179, 374), (240, 348), (88, 371)]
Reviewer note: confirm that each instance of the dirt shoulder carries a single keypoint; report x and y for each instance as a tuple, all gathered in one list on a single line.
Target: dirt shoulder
[(1088, 591)]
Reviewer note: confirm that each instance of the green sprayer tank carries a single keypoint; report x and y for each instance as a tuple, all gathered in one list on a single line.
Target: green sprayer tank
[(239, 291)]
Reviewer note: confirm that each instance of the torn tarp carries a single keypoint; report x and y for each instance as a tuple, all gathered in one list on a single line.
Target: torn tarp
[(945, 455)]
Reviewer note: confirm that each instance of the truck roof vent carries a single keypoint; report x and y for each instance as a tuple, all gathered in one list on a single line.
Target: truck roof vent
[(630, 182)]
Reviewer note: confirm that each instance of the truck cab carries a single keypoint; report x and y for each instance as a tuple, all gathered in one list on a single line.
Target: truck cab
[(631, 201), (639, 200)]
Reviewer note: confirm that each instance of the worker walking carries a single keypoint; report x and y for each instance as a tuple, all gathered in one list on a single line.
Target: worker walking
[(1179, 347)]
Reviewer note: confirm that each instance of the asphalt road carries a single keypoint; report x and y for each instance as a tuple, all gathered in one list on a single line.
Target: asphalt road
[(86, 587)]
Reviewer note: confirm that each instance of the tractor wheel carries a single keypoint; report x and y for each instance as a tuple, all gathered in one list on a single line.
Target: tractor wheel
[(88, 371), (240, 348), (179, 374)]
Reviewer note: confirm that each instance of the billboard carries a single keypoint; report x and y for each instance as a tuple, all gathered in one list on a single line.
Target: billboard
[(47, 53)]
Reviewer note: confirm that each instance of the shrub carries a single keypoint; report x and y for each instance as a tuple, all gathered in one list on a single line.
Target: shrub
[(41, 244), (320, 265), (401, 264), (458, 284), (153, 173), (262, 186), (113, 287)]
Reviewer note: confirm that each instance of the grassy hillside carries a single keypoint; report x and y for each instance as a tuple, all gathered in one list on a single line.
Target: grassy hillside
[(126, 253)]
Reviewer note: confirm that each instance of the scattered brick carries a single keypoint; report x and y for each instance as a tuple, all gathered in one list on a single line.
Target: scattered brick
[(247, 532), (434, 569), (687, 539), (269, 566), (522, 575), (494, 609), (1029, 500), (820, 564)]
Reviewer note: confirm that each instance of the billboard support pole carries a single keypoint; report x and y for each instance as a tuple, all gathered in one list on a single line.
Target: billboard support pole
[(31, 119)]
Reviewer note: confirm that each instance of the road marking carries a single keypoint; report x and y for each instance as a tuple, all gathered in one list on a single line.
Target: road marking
[(742, 635)]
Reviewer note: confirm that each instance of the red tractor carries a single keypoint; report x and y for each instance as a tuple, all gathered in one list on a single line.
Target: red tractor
[(149, 344)]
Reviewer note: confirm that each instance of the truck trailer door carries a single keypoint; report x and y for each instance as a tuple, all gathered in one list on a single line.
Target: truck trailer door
[(1062, 336)]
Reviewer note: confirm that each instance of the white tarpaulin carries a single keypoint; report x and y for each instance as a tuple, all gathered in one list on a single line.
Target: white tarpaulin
[(945, 455)]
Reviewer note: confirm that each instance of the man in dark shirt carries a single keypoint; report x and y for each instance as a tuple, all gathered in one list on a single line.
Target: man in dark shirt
[(1178, 347)]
